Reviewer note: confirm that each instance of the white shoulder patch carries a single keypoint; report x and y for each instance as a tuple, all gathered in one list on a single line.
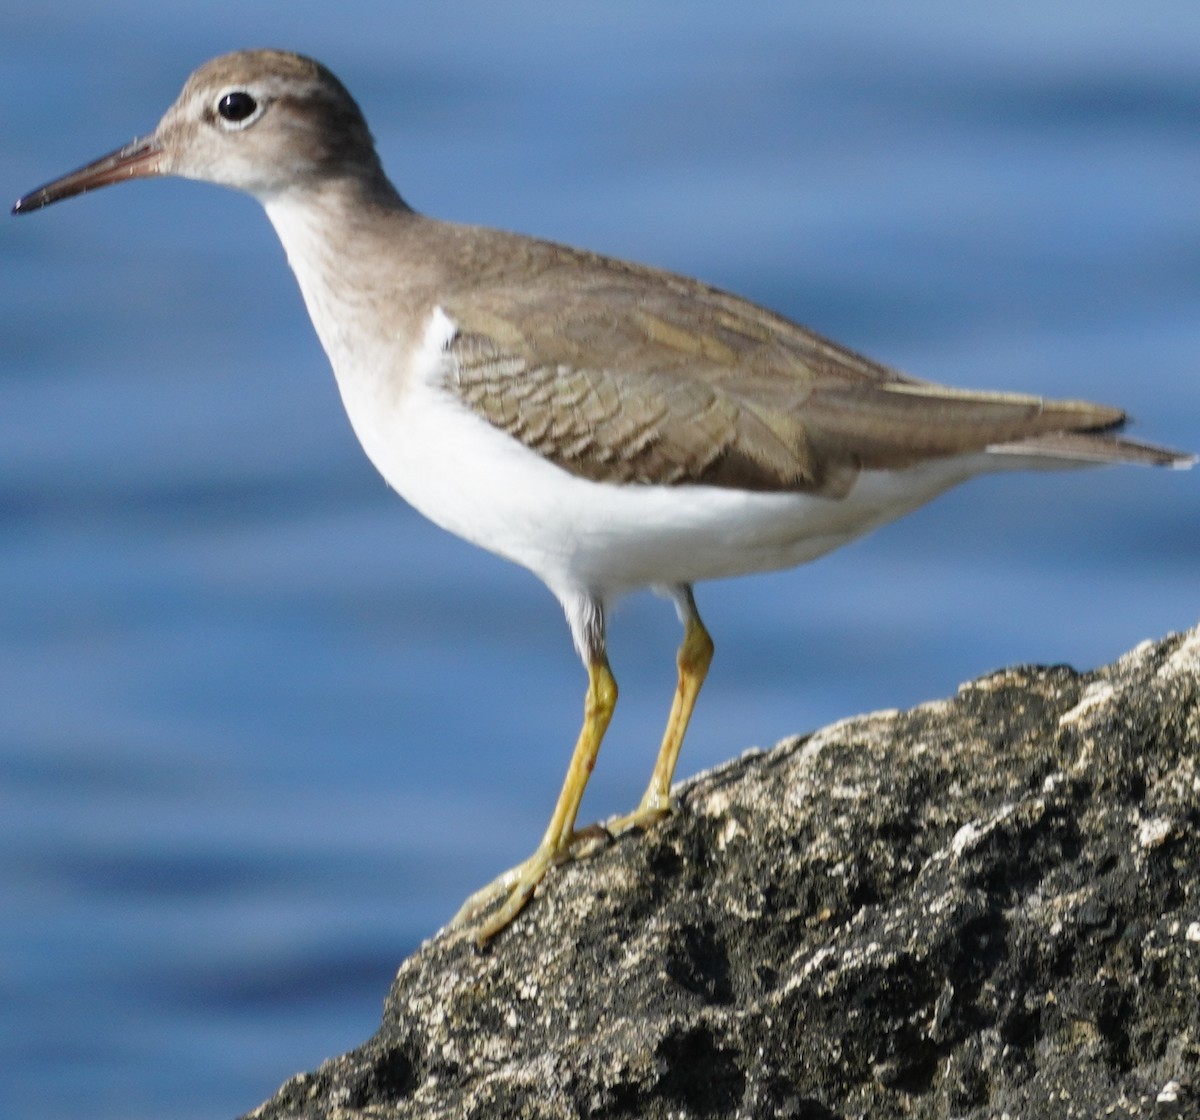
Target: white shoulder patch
[(439, 331)]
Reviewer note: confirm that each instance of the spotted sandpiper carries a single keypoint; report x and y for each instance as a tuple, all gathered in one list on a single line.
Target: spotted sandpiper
[(606, 425)]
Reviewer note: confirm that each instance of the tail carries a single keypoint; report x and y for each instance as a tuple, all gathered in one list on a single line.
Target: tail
[(901, 422), (1098, 446)]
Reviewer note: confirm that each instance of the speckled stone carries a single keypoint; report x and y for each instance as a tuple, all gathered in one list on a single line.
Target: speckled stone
[(987, 906)]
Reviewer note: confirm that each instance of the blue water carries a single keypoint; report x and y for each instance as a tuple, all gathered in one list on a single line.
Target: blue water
[(261, 727)]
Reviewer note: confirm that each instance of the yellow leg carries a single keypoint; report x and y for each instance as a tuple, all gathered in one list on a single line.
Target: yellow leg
[(694, 657), (521, 881)]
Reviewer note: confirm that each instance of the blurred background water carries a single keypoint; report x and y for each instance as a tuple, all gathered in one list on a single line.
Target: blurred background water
[(261, 727)]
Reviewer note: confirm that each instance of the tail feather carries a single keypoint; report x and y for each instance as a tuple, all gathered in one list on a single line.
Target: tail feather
[(1104, 446)]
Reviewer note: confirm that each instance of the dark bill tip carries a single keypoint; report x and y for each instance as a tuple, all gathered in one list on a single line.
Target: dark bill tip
[(138, 159)]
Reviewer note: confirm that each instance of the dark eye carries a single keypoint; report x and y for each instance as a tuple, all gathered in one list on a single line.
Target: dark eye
[(236, 106)]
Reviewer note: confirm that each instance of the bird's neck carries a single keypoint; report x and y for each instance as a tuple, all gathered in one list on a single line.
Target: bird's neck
[(344, 241)]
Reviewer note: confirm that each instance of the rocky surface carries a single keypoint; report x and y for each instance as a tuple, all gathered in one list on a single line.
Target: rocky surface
[(987, 906)]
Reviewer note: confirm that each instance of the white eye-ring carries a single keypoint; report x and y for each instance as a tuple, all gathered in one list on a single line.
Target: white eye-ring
[(237, 109)]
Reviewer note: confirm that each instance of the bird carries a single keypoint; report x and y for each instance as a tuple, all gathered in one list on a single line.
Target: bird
[(607, 425)]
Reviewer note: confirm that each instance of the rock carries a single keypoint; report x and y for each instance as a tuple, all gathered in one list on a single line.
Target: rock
[(987, 906)]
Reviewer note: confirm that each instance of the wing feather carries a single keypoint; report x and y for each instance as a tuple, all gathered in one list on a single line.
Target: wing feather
[(620, 373)]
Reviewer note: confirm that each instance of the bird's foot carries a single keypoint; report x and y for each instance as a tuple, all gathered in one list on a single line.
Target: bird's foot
[(518, 883), (652, 808)]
